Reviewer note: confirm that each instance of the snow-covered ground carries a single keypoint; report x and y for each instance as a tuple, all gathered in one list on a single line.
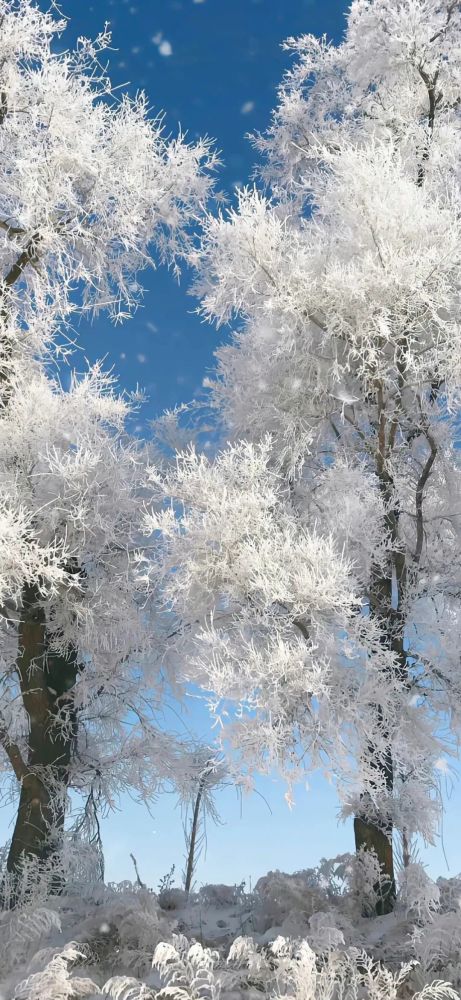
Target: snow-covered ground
[(300, 935)]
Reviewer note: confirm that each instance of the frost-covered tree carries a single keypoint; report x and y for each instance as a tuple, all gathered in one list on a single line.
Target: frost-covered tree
[(324, 565), (89, 189), (89, 185)]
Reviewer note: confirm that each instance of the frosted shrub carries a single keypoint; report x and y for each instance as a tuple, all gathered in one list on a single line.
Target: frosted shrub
[(221, 895), (287, 969), (117, 928), (437, 946), (348, 885), (418, 894), (367, 883), (120, 930), (187, 971), (346, 976), (278, 895), (57, 980), (127, 988), (450, 893)]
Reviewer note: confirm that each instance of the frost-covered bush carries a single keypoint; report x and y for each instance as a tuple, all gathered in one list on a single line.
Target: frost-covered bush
[(103, 938), (279, 895), (187, 970), (450, 893), (132, 918), (418, 895), (172, 898), (221, 895), (117, 928), (348, 884), (56, 980), (437, 946), (190, 972), (287, 968)]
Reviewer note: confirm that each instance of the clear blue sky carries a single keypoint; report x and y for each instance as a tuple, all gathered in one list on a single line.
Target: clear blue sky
[(219, 79)]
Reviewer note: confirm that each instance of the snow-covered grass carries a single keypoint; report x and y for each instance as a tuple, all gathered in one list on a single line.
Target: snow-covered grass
[(298, 935)]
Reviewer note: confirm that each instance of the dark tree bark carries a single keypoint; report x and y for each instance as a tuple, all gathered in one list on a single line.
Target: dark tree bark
[(387, 594), (387, 599), (46, 682), (46, 679), (376, 837), (375, 834), (193, 835), (370, 837)]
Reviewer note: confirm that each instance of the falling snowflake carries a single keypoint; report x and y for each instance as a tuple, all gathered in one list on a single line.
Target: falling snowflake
[(165, 48)]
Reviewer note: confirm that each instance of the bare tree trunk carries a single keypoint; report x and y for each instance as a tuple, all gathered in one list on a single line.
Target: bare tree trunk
[(193, 835), (35, 818), (46, 681), (376, 837), (370, 837), (386, 605), (375, 834)]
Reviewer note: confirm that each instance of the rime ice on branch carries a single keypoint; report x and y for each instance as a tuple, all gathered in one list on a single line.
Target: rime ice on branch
[(90, 184)]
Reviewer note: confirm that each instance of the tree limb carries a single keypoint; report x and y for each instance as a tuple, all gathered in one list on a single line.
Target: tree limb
[(455, 4), (3, 107), (11, 231), (430, 83), (28, 256), (420, 494)]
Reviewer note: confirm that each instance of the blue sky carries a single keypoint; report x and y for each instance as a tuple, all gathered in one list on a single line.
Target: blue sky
[(219, 80), (213, 66)]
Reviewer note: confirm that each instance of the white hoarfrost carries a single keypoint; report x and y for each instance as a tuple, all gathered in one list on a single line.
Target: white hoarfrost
[(317, 566), (300, 934), (307, 576), (91, 192), (90, 184)]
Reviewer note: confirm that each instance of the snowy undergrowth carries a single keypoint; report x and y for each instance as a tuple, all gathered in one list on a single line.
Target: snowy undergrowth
[(301, 935)]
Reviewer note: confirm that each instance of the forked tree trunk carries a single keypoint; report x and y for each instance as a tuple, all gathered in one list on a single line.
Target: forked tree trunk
[(46, 682)]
